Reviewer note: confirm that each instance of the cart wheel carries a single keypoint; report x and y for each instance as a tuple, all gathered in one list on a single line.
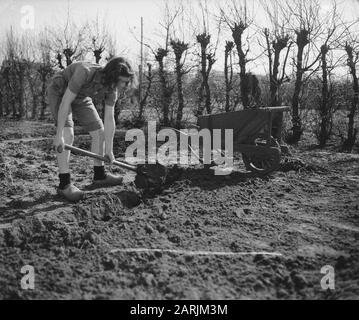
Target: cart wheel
[(265, 163), (262, 164)]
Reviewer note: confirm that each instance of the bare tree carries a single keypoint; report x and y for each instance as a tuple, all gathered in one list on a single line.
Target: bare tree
[(277, 40), (207, 54), (238, 18), (144, 97), (306, 23), (170, 14), (228, 72), (333, 31), (179, 47), (13, 70), (207, 62), (352, 51), (166, 89), (111, 47), (68, 41), (98, 34), (171, 36)]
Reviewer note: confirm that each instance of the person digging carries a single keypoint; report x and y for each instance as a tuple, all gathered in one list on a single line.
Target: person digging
[(71, 92)]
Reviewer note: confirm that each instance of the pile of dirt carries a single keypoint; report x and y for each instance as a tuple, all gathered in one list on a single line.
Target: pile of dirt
[(33, 232), (152, 179), (289, 163)]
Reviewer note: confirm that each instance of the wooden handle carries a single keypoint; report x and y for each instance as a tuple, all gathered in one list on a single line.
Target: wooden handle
[(101, 158)]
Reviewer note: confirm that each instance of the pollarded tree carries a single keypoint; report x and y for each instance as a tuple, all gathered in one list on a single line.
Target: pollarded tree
[(306, 25), (166, 88), (238, 18), (352, 51), (207, 62), (98, 38), (207, 30), (277, 40), (179, 48), (228, 72), (169, 16), (144, 97), (69, 41), (277, 45)]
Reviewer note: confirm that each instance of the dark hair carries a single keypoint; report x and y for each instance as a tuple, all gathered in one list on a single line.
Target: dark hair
[(115, 68)]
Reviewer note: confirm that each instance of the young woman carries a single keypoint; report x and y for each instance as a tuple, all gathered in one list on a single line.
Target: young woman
[(70, 92)]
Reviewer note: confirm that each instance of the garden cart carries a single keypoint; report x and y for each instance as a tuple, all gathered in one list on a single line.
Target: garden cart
[(252, 136)]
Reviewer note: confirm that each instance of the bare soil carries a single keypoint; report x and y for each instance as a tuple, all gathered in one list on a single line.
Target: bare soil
[(306, 215)]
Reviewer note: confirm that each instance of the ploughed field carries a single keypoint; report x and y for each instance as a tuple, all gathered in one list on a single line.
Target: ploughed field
[(203, 237)]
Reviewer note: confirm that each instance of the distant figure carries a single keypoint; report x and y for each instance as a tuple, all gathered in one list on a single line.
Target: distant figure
[(254, 89), (71, 92)]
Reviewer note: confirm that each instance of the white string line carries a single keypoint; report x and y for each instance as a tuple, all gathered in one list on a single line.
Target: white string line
[(195, 253)]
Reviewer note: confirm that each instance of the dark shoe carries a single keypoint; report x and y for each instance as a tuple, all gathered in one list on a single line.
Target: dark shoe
[(110, 180), (71, 193)]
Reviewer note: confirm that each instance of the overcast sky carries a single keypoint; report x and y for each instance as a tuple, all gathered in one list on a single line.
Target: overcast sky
[(123, 15)]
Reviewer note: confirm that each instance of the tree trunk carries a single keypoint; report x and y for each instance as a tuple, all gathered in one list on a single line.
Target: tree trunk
[(97, 53), (200, 100), (296, 121), (203, 40), (324, 106), (208, 97), (12, 98), (165, 101), (1, 98), (1, 105), (165, 106), (68, 55), (144, 99), (59, 61), (301, 41), (179, 92), (34, 106), (20, 94), (352, 133), (226, 77), (43, 96), (274, 101), (237, 32), (211, 61), (8, 98), (32, 86), (244, 86), (179, 48)]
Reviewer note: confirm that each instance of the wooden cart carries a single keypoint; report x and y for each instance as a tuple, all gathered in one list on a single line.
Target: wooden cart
[(252, 136)]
